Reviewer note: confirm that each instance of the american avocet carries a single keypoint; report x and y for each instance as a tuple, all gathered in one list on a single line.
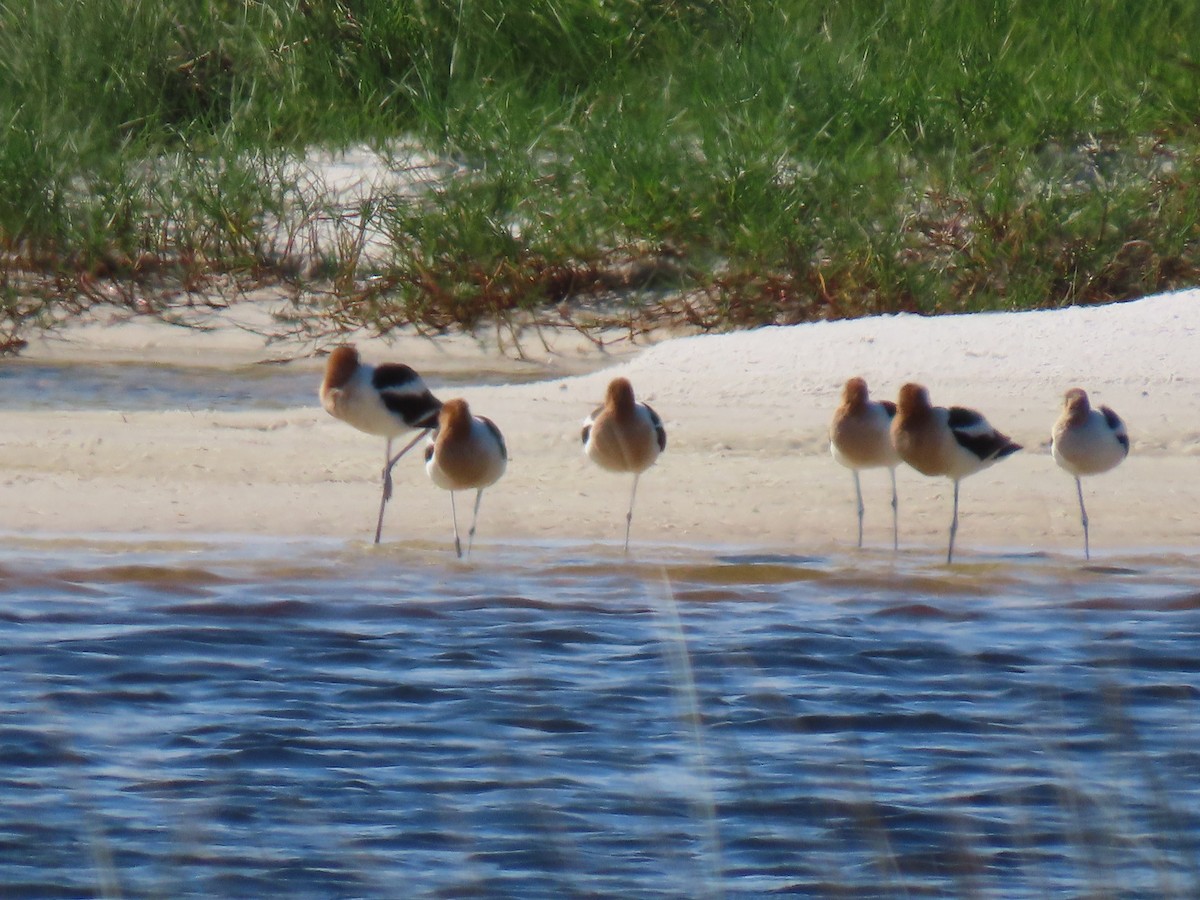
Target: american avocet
[(387, 400), (1087, 441), (465, 453), (624, 435), (860, 438), (953, 442)]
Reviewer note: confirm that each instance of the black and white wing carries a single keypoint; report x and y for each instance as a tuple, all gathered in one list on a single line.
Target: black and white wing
[(660, 433), (495, 432), (587, 425), (404, 393), (1116, 426), (973, 433)]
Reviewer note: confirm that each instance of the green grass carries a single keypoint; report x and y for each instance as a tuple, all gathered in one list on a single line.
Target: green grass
[(744, 162)]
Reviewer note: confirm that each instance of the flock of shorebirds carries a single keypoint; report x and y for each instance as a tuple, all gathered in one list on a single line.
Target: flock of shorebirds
[(467, 452), (953, 442)]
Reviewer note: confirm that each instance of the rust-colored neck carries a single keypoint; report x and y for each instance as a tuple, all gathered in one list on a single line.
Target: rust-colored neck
[(340, 368), (620, 395)]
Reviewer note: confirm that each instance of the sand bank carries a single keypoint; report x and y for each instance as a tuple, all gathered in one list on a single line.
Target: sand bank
[(747, 415)]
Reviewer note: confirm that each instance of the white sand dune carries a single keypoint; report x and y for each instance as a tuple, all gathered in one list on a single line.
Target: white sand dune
[(747, 461)]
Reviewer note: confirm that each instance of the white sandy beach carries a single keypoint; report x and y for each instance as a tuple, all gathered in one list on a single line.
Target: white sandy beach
[(747, 460)]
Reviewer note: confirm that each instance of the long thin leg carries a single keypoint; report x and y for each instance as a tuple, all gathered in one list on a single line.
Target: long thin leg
[(395, 459), (895, 515), (390, 463), (858, 498), (1087, 550), (474, 519), (454, 518), (629, 515), (387, 488), (953, 527)]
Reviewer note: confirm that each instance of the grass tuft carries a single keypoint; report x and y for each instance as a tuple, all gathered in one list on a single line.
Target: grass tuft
[(757, 162)]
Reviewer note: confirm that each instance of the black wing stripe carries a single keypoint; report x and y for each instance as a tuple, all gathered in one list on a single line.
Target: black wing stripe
[(987, 446), (982, 445), (417, 410), (1008, 449), (964, 418), (395, 376), (1118, 427), (659, 431), (586, 433), (491, 426)]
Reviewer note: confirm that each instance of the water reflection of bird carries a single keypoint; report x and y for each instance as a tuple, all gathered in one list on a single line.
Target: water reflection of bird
[(952, 442), (860, 438), (1086, 441), (386, 400), (465, 453), (624, 435)]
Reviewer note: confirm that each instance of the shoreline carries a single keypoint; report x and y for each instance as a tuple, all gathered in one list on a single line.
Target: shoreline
[(747, 462)]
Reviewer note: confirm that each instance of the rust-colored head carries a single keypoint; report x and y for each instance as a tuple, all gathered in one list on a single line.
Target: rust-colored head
[(454, 417), (619, 394), (341, 366), (913, 398), (855, 393), (1075, 402)]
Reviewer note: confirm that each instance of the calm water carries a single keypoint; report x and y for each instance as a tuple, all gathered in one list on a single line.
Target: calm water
[(301, 719), (132, 387)]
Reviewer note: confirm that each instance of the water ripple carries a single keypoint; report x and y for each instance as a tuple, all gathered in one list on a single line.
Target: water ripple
[(216, 719)]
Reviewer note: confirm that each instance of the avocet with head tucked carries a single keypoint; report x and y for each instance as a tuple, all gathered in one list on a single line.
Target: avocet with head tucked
[(624, 435), (860, 438), (951, 442), (386, 400), (1086, 441), (465, 453)]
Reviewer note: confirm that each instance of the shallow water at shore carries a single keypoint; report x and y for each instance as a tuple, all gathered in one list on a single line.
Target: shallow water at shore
[(132, 387), (322, 719)]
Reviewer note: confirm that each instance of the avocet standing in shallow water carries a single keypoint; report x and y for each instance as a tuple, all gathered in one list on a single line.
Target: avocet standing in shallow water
[(465, 453), (624, 435), (1086, 441), (386, 400), (860, 438), (951, 442)]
